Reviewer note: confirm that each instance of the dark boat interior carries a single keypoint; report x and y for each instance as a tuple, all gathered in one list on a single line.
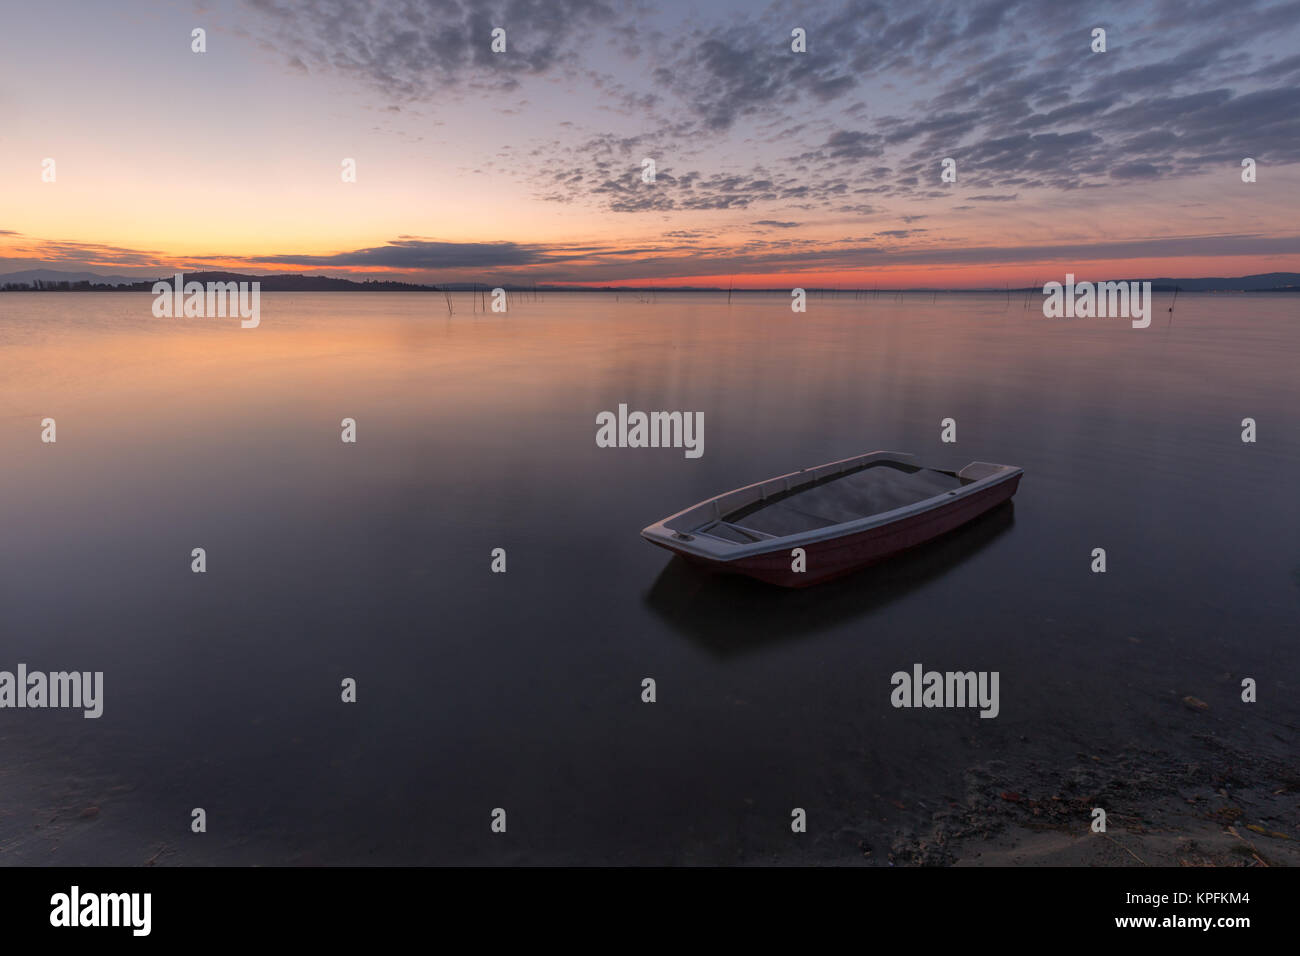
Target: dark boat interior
[(874, 488)]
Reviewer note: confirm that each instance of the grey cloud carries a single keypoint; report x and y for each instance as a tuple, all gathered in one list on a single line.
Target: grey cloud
[(421, 254), (1007, 87), (1135, 171), (410, 50)]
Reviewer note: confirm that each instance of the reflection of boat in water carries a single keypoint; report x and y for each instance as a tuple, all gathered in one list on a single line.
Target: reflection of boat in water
[(832, 519), (730, 614)]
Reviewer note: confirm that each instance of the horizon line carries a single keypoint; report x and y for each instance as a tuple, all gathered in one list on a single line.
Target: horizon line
[(360, 282)]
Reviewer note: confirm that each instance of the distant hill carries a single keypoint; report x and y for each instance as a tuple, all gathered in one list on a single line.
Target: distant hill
[(48, 280), (294, 283), (1266, 282), (51, 280)]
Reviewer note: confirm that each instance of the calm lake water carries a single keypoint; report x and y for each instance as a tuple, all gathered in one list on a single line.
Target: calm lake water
[(523, 690)]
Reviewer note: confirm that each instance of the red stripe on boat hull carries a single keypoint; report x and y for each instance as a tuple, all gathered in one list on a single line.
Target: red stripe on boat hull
[(839, 556)]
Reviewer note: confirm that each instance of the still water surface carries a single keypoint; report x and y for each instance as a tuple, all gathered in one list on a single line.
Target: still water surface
[(523, 690)]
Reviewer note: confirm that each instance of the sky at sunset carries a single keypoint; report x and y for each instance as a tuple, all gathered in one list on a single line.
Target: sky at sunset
[(773, 168)]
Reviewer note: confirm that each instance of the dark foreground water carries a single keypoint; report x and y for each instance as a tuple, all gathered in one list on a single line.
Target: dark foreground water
[(523, 690)]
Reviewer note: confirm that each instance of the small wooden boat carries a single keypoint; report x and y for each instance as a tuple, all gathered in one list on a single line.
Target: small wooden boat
[(844, 515)]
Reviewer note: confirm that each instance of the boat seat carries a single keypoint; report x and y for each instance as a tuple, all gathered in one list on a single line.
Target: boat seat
[(732, 532), (782, 518)]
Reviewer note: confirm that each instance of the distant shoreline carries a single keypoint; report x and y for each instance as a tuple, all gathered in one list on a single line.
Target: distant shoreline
[(635, 290), (46, 281)]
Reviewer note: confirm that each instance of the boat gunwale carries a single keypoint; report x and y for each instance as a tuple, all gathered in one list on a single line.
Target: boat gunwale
[(703, 545)]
